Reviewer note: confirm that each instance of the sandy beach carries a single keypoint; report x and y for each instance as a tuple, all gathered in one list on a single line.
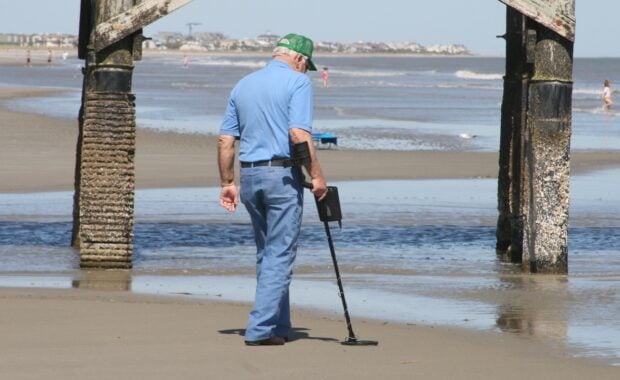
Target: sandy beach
[(38, 154), (100, 334), (87, 334)]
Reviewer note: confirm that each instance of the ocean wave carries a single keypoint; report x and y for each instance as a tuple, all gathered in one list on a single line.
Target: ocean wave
[(188, 85), (228, 63), (417, 85), (466, 74), (470, 87), (587, 91), (597, 111), (370, 73), (386, 143)]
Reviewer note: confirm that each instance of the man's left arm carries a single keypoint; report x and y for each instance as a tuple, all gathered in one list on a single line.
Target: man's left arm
[(319, 186)]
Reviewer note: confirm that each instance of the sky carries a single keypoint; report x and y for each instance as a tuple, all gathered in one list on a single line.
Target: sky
[(473, 23)]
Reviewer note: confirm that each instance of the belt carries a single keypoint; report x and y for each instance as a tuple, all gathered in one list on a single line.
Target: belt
[(264, 163)]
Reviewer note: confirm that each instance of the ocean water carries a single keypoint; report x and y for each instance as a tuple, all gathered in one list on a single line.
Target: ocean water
[(396, 103), (409, 251)]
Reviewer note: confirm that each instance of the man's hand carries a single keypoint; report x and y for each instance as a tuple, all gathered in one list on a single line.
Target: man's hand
[(319, 188), (229, 197)]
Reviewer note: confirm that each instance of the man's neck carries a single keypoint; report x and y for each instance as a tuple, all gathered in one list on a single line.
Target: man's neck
[(288, 60)]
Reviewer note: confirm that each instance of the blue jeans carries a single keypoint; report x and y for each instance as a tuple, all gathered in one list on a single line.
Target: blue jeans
[(273, 197)]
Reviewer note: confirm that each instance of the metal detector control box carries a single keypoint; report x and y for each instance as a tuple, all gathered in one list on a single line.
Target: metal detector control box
[(329, 207)]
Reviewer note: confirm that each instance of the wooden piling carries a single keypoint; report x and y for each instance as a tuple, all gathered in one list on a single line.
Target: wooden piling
[(509, 233), (533, 185), (105, 176), (549, 130), (103, 210)]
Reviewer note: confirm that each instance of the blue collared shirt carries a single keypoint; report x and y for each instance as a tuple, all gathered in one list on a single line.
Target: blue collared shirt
[(262, 108)]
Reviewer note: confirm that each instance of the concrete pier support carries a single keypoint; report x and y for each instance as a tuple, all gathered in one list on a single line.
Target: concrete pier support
[(105, 171), (533, 183)]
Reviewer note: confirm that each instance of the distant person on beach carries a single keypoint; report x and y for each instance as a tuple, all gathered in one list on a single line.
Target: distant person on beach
[(269, 111), (325, 76), (606, 95), (49, 58), (28, 58), (185, 60)]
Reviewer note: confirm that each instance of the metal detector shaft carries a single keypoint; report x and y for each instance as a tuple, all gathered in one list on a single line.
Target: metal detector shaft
[(329, 211), (340, 288), (325, 219)]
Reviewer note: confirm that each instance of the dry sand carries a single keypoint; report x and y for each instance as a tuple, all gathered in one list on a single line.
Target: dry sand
[(103, 334), (86, 334)]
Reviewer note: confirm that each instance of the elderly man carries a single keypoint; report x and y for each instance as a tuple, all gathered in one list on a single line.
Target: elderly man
[(269, 111)]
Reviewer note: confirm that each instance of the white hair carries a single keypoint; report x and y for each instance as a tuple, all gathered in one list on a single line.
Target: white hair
[(281, 50)]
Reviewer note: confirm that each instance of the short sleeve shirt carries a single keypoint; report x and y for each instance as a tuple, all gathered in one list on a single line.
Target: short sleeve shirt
[(263, 107)]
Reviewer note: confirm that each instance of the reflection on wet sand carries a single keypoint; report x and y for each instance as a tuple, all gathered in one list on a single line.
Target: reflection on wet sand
[(108, 280), (535, 306)]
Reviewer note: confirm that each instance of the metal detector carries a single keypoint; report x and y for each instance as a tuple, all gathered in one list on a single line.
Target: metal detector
[(329, 211)]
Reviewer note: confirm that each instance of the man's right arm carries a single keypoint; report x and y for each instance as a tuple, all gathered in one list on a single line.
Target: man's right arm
[(226, 163)]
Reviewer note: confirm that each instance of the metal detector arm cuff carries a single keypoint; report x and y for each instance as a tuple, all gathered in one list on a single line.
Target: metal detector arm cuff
[(313, 167), (301, 152)]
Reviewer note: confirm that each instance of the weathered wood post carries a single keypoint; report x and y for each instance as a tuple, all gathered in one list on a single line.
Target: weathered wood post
[(510, 221), (533, 185), (110, 41)]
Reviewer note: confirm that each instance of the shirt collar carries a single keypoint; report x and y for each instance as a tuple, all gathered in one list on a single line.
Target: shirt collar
[(276, 62)]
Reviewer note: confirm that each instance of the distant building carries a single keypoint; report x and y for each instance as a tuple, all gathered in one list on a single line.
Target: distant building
[(150, 44), (10, 39), (268, 38), (192, 45), (447, 49), (229, 44), (39, 40), (215, 41)]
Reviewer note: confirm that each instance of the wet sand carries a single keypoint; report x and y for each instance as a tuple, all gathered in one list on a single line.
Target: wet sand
[(98, 334), (38, 154)]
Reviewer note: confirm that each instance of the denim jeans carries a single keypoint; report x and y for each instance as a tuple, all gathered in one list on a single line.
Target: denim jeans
[(273, 197)]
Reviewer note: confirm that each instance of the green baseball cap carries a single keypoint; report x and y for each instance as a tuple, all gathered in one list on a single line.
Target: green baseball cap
[(302, 45)]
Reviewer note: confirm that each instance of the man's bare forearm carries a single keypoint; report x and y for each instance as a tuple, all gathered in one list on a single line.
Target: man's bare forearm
[(226, 159)]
